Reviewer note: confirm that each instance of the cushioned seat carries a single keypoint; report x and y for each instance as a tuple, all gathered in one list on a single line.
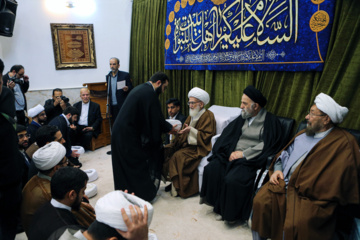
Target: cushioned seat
[(223, 116)]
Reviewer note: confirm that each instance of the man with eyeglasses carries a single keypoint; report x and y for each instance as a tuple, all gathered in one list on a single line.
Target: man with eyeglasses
[(18, 82), (174, 112), (23, 144), (192, 143), (38, 116), (48, 160), (315, 174)]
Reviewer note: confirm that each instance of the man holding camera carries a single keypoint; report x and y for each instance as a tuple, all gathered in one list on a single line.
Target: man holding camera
[(18, 82), (55, 106)]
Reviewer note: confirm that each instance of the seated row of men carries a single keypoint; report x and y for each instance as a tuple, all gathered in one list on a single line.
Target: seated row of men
[(54, 198), (85, 120), (316, 171)]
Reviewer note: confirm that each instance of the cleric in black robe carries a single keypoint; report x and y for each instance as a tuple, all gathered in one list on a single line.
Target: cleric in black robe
[(228, 185), (11, 164), (136, 144)]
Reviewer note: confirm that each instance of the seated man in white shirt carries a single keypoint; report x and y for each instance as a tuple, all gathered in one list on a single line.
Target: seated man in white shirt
[(89, 122)]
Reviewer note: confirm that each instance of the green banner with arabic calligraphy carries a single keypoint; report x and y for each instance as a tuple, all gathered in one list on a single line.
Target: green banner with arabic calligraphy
[(259, 35)]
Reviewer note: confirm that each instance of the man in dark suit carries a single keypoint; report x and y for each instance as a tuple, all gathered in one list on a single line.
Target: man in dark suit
[(67, 190), (89, 122), (119, 86), (174, 111), (65, 122), (18, 82), (56, 105)]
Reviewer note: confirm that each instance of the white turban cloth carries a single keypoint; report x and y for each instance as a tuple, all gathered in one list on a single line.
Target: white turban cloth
[(199, 94), (108, 209), (328, 105), (49, 156), (33, 112)]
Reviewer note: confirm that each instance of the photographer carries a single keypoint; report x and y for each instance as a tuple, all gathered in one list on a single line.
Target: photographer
[(55, 106), (18, 82)]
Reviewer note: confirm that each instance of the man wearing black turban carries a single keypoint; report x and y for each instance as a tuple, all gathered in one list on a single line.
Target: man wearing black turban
[(238, 153)]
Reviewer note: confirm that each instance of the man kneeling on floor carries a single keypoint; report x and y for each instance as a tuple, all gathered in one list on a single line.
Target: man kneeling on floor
[(67, 189), (242, 149), (309, 179), (132, 223), (192, 143)]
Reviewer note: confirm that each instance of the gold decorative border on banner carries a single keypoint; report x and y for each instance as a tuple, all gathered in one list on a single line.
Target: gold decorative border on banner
[(73, 45)]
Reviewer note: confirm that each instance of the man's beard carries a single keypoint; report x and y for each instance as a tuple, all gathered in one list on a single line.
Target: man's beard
[(77, 204), (245, 114), (194, 112), (24, 145), (312, 129), (159, 90)]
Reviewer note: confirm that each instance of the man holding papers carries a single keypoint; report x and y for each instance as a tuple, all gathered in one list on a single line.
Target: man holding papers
[(119, 86)]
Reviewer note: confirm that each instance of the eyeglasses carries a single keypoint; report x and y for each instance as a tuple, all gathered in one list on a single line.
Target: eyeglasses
[(21, 136), (311, 114), (192, 103)]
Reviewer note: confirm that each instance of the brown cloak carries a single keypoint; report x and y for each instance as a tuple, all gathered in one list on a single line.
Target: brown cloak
[(36, 193), (182, 159), (326, 178)]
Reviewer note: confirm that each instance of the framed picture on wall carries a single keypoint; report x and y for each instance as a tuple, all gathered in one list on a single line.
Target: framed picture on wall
[(74, 45)]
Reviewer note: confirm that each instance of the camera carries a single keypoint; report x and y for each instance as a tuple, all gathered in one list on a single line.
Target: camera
[(65, 99), (17, 80)]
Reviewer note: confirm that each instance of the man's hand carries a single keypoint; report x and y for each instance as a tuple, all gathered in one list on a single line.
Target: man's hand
[(10, 84), (274, 179), (87, 129), (236, 155), (72, 126), (137, 228), (186, 129), (74, 154), (125, 89), (57, 101), (26, 78), (62, 104)]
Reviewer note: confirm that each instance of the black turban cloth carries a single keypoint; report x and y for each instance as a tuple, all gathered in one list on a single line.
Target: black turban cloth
[(255, 95)]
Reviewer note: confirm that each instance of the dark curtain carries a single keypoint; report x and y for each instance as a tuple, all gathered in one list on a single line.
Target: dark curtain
[(289, 94)]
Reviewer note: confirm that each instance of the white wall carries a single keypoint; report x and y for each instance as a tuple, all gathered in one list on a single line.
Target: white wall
[(31, 44)]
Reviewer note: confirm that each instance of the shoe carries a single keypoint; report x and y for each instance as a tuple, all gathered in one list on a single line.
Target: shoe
[(168, 188), (108, 153), (218, 217), (229, 222), (173, 191)]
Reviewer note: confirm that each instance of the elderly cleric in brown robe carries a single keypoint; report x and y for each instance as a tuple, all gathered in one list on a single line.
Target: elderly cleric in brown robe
[(238, 153), (192, 143), (313, 175)]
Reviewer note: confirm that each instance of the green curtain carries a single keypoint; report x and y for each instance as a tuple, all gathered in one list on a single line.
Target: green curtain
[(289, 94)]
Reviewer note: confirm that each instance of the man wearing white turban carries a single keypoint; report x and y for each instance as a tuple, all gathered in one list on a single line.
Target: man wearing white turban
[(316, 173), (192, 143), (119, 215), (39, 118), (48, 159)]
